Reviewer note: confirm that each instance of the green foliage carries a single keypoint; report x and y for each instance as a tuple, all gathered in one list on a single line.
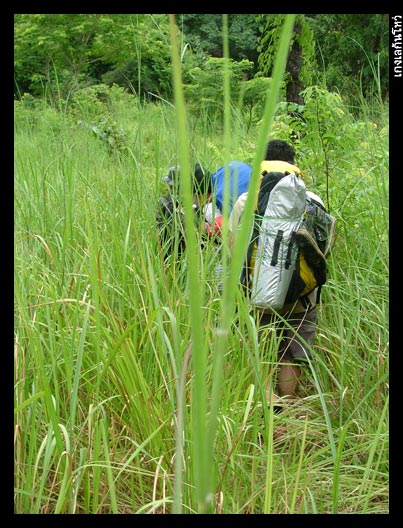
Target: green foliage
[(24, 110), (96, 109), (204, 34), (204, 85), (56, 54), (108, 132), (48, 42), (254, 94), (90, 103), (345, 160), (37, 115), (361, 63), (270, 31), (137, 48), (59, 52)]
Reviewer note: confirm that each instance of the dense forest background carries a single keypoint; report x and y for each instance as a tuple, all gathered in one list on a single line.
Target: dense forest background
[(58, 54)]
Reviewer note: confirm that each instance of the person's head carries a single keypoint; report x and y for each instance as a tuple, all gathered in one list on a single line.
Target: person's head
[(279, 150), (201, 179)]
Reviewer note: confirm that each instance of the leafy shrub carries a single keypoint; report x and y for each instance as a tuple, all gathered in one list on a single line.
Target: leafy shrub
[(92, 108), (204, 86), (254, 97)]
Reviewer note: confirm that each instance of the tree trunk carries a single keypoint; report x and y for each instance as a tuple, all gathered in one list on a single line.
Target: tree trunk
[(293, 68)]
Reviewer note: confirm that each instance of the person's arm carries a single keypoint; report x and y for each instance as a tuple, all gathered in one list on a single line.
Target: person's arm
[(213, 219)]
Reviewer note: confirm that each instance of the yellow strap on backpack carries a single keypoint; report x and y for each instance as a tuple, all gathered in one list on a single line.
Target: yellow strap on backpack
[(277, 166), (306, 275)]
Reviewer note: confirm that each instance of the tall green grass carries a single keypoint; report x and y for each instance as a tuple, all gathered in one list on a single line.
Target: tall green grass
[(139, 385)]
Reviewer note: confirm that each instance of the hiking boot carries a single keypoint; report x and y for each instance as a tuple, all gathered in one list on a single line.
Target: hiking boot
[(313, 255)]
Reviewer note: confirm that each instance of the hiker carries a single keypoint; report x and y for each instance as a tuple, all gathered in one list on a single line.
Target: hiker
[(208, 196), (170, 214), (238, 174), (301, 314)]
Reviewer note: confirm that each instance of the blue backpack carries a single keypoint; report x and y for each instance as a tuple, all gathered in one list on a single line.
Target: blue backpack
[(239, 177)]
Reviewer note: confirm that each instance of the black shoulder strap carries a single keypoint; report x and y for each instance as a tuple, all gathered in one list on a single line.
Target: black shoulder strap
[(269, 181)]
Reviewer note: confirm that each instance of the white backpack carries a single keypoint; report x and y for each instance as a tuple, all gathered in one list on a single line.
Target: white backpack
[(277, 252)]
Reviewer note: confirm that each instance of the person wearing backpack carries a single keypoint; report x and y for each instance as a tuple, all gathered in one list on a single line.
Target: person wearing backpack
[(285, 266), (208, 196), (170, 214), (238, 174)]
